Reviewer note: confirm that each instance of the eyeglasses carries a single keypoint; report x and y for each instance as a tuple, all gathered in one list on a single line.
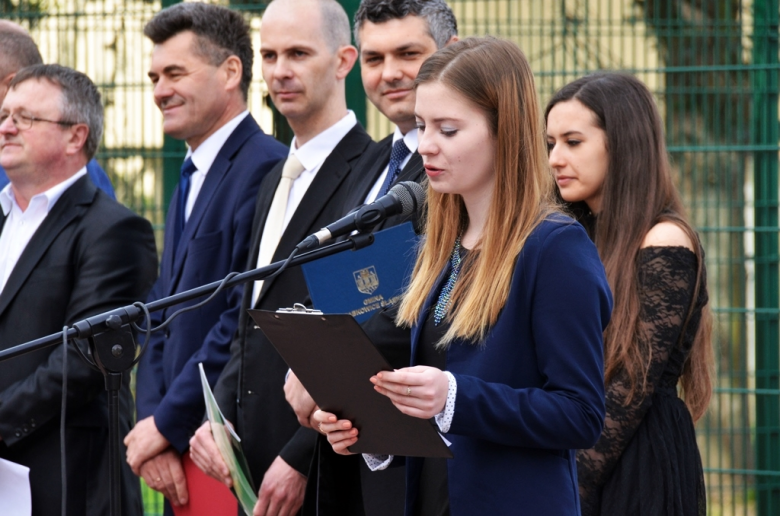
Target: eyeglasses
[(24, 122)]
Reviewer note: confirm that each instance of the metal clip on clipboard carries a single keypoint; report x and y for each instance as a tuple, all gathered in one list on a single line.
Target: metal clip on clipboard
[(299, 308)]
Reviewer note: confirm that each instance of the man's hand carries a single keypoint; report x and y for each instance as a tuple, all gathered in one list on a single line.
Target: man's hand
[(282, 490), (206, 456), (144, 442), (300, 401), (164, 473)]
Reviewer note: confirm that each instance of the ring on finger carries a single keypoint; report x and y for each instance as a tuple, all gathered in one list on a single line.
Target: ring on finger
[(408, 391)]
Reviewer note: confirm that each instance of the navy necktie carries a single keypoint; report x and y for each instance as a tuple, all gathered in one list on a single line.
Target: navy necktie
[(397, 156), (187, 169)]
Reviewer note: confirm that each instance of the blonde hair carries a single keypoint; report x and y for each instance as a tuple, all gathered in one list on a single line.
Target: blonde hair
[(495, 76)]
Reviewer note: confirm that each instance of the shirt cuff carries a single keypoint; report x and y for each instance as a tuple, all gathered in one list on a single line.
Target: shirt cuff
[(377, 462), (444, 418)]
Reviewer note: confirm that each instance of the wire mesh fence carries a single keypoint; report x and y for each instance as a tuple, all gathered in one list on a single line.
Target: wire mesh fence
[(713, 67)]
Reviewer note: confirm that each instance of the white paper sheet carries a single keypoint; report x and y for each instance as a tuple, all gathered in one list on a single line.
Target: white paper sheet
[(15, 489)]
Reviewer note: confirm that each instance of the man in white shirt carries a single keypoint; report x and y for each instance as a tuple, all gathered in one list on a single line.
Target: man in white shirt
[(67, 252), (305, 61), (201, 68)]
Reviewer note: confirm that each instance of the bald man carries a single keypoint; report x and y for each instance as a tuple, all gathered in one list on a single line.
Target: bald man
[(305, 60)]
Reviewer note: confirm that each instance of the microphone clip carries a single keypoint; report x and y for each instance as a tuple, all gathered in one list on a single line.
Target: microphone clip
[(362, 240)]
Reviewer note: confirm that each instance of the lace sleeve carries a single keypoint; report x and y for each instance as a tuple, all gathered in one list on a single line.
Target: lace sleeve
[(667, 277)]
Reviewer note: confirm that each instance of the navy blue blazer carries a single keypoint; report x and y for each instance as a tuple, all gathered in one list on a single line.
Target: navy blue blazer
[(533, 392), (215, 242)]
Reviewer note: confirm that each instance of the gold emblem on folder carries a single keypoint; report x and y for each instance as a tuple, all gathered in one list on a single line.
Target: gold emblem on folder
[(366, 280)]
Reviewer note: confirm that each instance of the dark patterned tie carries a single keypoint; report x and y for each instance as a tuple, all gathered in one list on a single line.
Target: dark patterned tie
[(187, 169), (397, 156)]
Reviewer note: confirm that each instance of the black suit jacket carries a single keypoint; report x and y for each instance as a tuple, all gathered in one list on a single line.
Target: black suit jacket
[(345, 486), (88, 256), (250, 387)]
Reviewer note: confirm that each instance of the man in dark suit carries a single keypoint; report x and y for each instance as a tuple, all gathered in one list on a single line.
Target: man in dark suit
[(394, 38), (17, 50), (67, 251), (201, 69), (305, 61)]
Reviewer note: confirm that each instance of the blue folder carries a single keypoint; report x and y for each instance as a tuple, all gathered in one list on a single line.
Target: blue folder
[(361, 282)]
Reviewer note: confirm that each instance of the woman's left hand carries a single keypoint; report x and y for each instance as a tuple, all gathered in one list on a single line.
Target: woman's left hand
[(418, 391)]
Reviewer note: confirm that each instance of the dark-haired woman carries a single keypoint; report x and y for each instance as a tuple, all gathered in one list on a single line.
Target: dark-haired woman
[(607, 151), (507, 303)]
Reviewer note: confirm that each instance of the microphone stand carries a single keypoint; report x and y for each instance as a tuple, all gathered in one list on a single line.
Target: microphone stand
[(113, 347)]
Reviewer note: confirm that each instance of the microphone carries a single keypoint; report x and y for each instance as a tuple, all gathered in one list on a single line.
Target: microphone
[(404, 199)]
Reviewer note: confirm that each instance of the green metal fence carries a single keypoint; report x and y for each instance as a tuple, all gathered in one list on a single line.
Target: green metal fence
[(713, 66)]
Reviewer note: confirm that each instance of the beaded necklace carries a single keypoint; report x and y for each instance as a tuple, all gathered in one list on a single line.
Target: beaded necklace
[(443, 304)]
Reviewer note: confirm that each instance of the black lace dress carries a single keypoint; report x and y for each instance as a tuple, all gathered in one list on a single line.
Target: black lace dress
[(646, 461)]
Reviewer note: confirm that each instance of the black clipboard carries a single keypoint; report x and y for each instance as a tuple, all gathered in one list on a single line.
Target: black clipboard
[(334, 359)]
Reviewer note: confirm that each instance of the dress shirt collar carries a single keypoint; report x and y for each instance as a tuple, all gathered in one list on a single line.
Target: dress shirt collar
[(50, 196), (315, 151), (203, 157), (410, 139)]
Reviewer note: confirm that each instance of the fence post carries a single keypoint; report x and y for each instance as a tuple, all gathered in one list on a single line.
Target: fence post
[(765, 135)]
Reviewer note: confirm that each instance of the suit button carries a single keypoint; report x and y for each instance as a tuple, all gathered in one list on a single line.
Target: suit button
[(18, 433), (167, 333), (25, 429), (32, 423)]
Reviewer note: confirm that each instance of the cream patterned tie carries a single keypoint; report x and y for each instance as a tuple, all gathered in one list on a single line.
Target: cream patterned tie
[(274, 224)]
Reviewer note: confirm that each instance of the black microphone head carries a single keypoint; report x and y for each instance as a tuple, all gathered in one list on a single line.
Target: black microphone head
[(411, 195)]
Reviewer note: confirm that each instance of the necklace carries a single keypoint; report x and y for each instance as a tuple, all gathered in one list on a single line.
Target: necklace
[(443, 304)]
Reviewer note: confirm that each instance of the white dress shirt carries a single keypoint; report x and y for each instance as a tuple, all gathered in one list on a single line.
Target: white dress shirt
[(411, 141), (203, 157), (21, 225), (312, 155)]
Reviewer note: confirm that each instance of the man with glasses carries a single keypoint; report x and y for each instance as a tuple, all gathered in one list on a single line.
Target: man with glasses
[(17, 50), (67, 252)]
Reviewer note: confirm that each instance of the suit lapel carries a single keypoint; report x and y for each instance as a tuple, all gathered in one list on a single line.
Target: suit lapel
[(374, 169), (168, 257), (264, 200), (68, 207), (216, 174), (330, 175)]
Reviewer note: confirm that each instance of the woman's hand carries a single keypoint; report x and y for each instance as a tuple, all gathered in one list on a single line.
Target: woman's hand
[(340, 433), (418, 391)]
